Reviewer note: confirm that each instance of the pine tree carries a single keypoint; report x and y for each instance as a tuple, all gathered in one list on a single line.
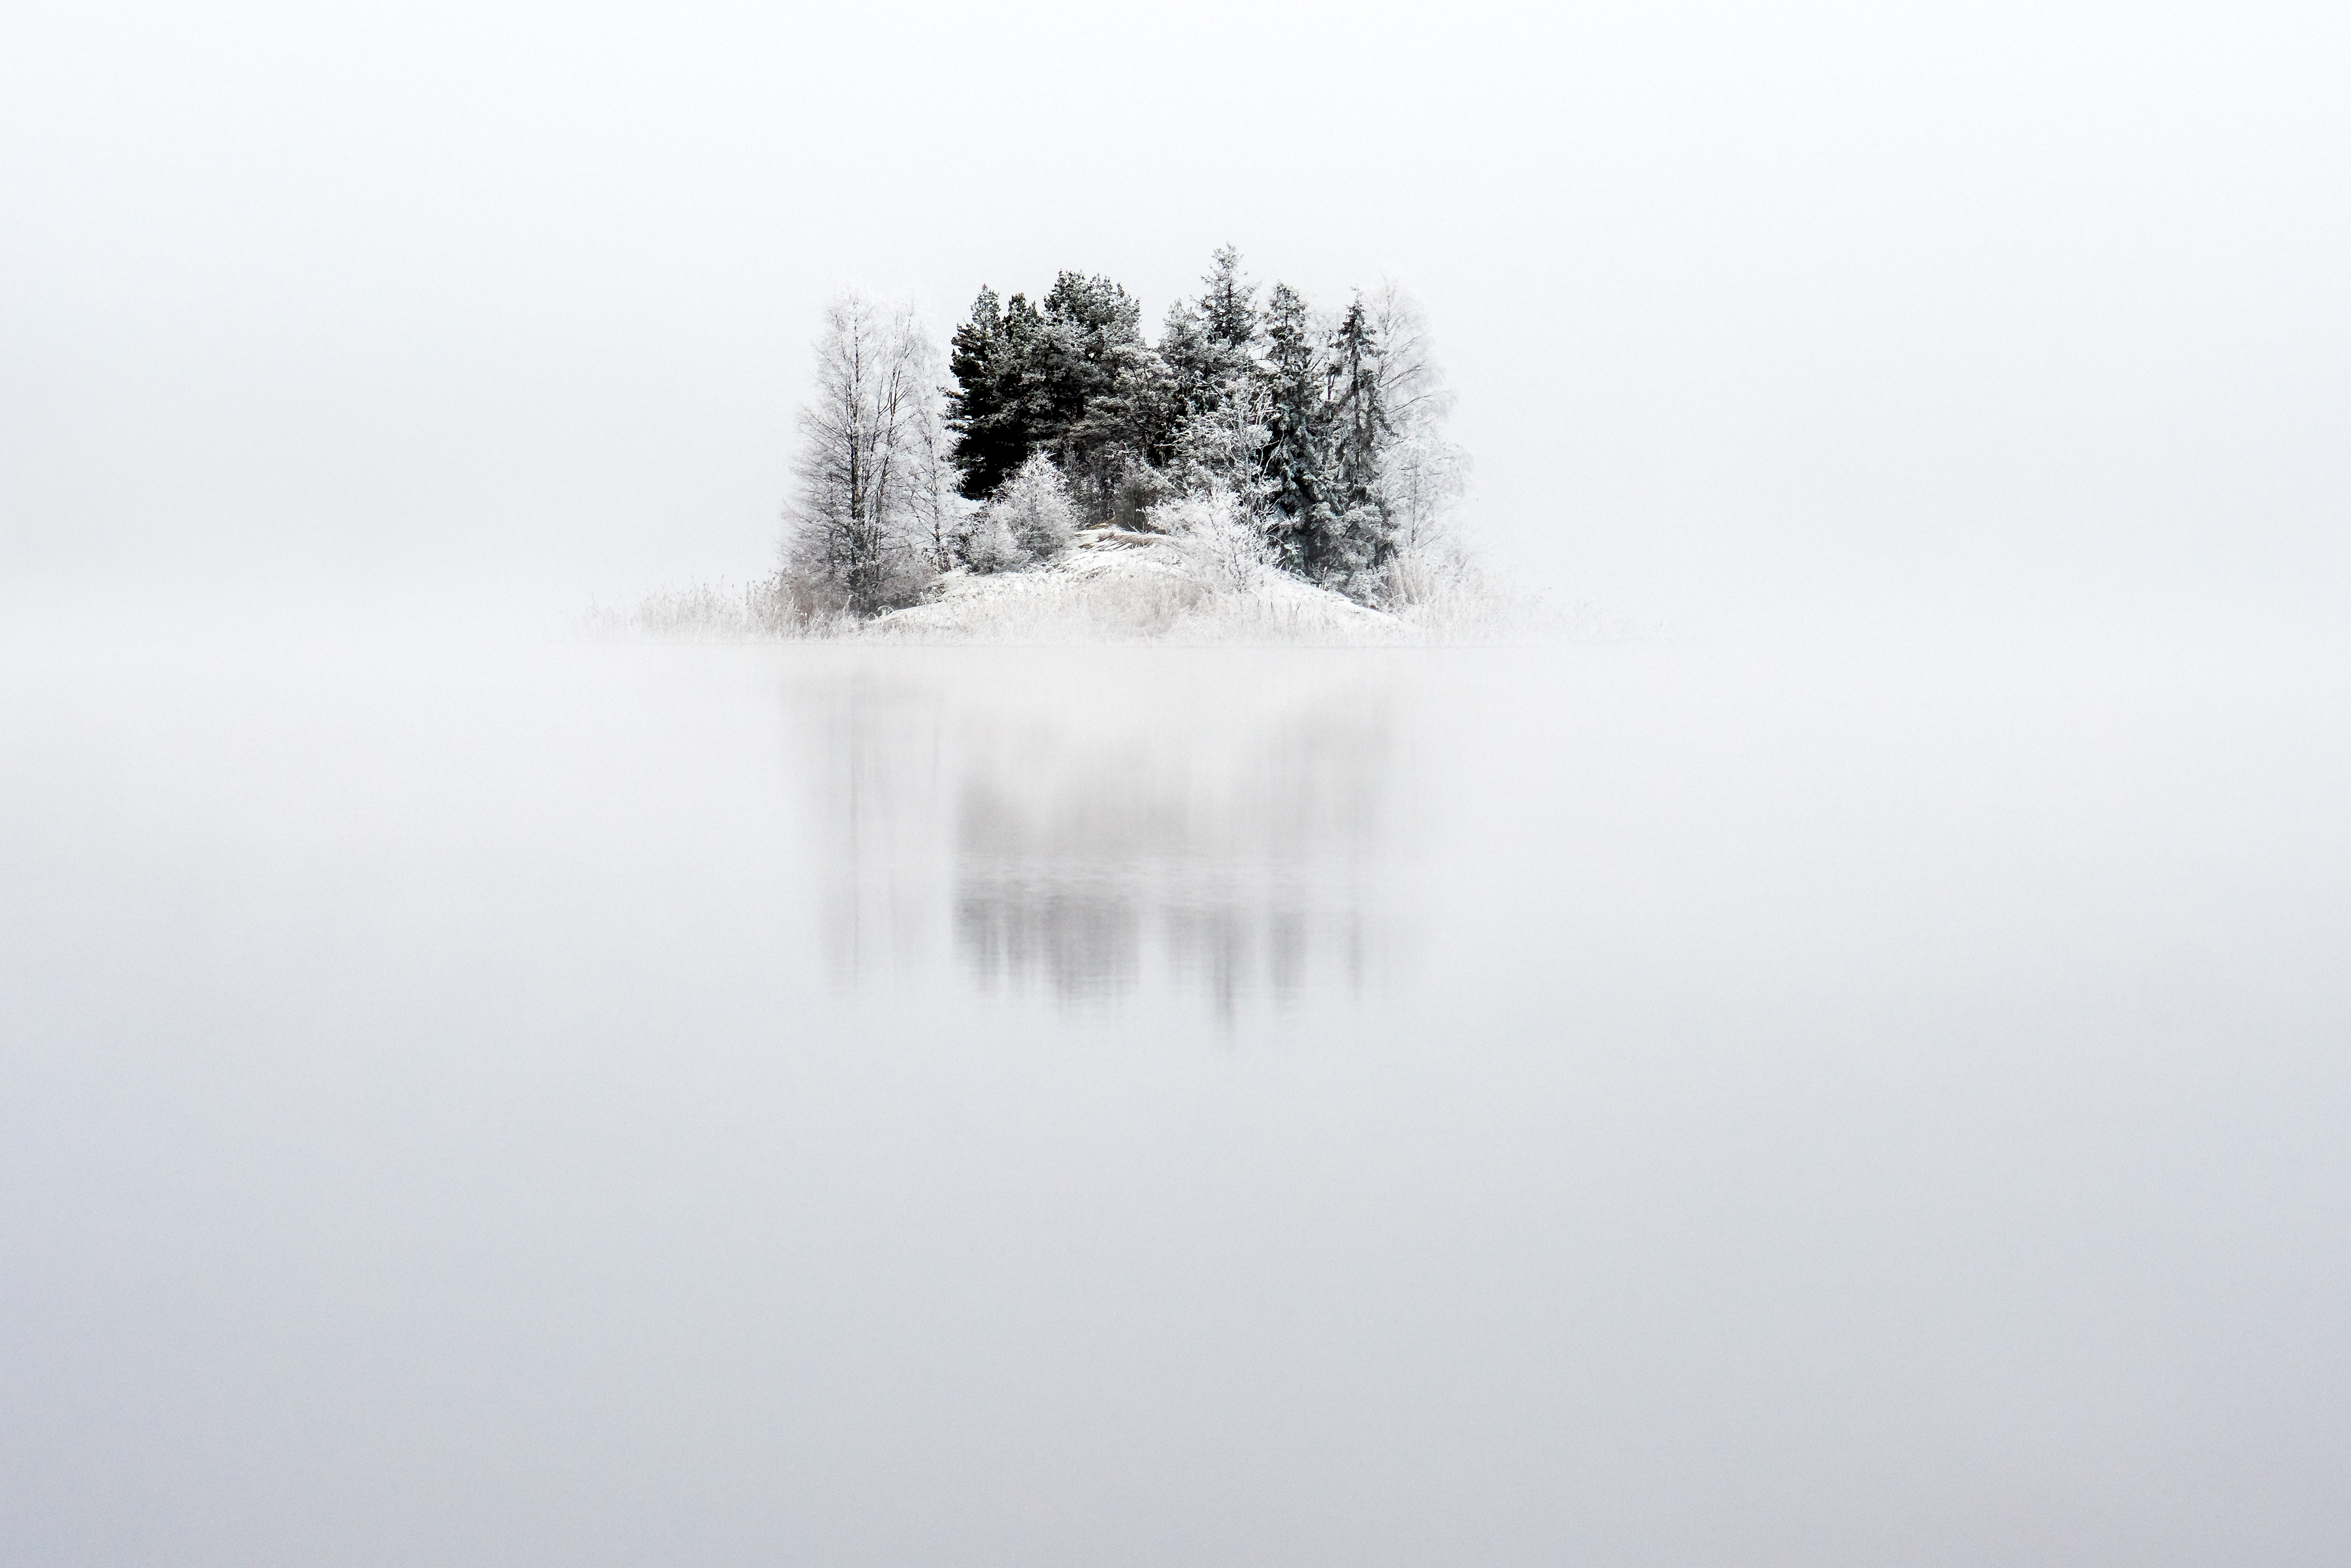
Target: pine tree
[(1075, 379), (995, 406), (1097, 380), (1035, 508)]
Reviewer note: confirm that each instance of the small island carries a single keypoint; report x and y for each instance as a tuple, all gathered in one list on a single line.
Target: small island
[(1263, 470)]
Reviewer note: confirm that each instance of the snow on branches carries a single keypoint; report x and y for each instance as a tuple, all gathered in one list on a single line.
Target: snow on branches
[(1251, 437)]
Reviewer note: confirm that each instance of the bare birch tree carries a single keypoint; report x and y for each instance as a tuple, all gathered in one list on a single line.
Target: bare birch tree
[(867, 520), (1422, 474), (937, 505)]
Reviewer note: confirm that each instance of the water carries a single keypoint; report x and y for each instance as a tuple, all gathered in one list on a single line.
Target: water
[(474, 1101)]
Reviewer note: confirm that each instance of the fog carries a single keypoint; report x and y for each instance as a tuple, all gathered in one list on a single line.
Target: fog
[(1230, 834), (1849, 1073), (531, 1102), (1757, 315)]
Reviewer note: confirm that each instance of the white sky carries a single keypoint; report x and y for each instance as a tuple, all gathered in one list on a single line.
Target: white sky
[(1741, 302)]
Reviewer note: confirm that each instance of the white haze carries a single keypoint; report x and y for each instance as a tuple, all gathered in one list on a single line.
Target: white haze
[(1756, 312), (1855, 1081)]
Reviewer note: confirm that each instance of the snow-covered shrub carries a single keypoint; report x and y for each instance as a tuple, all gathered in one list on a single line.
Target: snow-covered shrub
[(1218, 539), (1034, 507), (983, 542), (1140, 488)]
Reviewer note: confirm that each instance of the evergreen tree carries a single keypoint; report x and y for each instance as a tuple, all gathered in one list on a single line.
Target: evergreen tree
[(1090, 323), (1311, 445), (1029, 520), (1035, 508), (995, 408), (1359, 417), (1327, 436), (1216, 393), (1296, 432), (1100, 389), (1227, 308), (1075, 379), (1362, 534)]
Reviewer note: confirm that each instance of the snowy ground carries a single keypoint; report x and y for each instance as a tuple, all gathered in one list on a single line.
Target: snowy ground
[(1117, 586), (1112, 585)]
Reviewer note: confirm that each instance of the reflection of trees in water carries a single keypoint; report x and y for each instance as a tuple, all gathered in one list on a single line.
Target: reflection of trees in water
[(1228, 846), (1238, 858), (1084, 944), (878, 747)]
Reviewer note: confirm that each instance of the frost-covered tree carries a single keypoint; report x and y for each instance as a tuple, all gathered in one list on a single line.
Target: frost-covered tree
[(1028, 520), (1352, 539), (862, 534), (1422, 475), (1423, 478), (1217, 392), (1359, 428), (1035, 508), (1319, 438), (1101, 387), (937, 506), (1223, 540), (1227, 308), (983, 543), (1075, 379), (1297, 430)]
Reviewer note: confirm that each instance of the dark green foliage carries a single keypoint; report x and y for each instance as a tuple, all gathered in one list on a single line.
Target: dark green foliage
[(1359, 537), (1325, 430), (992, 406), (1075, 379), (1263, 402), (1216, 389), (1296, 435), (1210, 344), (1227, 308), (1101, 389), (1359, 417)]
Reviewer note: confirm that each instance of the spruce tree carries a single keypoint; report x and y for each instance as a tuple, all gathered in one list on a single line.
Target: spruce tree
[(1228, 306), (1297, 422), (1362, 535), (1359, 418), (1214, 391)]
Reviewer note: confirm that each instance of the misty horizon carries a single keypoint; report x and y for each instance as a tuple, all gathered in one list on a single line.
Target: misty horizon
[(1729, 954)]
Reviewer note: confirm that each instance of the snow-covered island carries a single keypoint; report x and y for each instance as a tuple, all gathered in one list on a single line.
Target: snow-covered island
[(1260, 472)]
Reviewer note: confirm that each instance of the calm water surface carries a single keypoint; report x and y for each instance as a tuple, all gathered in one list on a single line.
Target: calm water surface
[(492, 1104)]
